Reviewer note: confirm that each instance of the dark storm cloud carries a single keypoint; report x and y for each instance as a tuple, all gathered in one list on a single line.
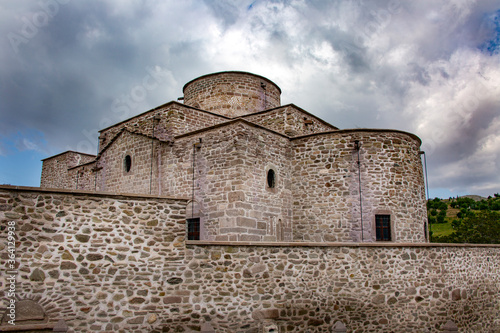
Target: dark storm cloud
[(424, 67), (65, 75)]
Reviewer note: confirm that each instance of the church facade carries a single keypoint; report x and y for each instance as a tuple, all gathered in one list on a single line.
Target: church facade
[(256, 170)]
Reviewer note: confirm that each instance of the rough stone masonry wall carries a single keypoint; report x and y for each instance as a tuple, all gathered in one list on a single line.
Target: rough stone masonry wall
[(232, 94), (107, 263), (290, 121), (326, 188), (102, 262)]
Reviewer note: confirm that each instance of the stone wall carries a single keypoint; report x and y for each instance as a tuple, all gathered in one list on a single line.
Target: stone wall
[(100, 261), (114, 177), (290, 120), (83, 177), (326, 186), (55, 169), (232, 94), (231, 165), (111, 263)]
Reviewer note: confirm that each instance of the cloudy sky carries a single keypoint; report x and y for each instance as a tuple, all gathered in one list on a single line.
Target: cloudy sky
[(69, 68)]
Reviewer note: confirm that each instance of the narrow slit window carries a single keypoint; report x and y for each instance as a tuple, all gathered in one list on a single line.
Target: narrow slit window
[(128, 163), (271, 178), (383, 227)]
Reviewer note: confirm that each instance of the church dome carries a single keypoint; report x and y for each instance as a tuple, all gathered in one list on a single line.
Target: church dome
[(232, 94)]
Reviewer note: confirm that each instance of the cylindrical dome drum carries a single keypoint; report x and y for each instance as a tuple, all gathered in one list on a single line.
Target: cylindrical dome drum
[(232, 94)]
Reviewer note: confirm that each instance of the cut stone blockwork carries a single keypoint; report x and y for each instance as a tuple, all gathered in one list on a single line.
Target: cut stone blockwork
[(259, 171)]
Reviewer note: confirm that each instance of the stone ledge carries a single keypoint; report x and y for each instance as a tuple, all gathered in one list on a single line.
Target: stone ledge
[(28, 327), (83, 192), (327, 244)]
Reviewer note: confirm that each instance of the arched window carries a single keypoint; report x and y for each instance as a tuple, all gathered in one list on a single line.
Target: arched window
[(127, 163), (271, 178)]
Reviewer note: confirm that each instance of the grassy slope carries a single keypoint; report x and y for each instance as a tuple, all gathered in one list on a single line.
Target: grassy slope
[(442, 229)]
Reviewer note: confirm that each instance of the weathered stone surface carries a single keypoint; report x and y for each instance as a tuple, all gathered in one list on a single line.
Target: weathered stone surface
[(28, 310), (38, 275), (172, 299), (94, 256), (61, 326), (265, 314), (67, 265), (137, 300), (152, 318), (309, 286), (82, 238), (174, 280), (67, 256)]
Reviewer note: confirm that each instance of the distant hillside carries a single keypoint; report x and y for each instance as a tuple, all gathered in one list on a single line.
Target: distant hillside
[(474, 197), (465, 219)]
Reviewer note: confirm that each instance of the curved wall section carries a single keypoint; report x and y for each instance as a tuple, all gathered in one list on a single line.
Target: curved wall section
[(326, 187), (232, 94)]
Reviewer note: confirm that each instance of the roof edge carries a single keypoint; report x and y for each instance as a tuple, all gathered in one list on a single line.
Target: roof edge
[(68, 151), (230, 72), (353, 130), (226, 123), (293, 106), (159, 107)]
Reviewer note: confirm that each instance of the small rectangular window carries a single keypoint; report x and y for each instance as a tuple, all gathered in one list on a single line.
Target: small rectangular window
[(193, 226), (383, 227)]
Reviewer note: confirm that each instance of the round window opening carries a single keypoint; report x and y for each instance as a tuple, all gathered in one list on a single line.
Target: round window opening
[(271, 178), (128, 163)]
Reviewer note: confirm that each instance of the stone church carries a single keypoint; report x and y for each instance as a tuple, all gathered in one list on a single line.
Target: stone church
[(229, 212), (256, 170)]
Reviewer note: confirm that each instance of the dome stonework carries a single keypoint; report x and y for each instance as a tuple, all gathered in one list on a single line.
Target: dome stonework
[(232, 94)]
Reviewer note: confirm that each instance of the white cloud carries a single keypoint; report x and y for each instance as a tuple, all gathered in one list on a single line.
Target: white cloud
[(414, 66)]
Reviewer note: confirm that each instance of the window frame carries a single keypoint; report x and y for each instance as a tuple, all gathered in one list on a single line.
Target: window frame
[(271, 168), (193, 228), (390, 226)]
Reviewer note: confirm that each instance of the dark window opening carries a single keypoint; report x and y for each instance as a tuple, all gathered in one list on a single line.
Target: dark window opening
[(128, 163), (193, 226), (271, 178), (383, 227)]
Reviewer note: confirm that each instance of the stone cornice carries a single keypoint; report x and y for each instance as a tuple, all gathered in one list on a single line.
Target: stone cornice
[(92, 193), (328, 244)]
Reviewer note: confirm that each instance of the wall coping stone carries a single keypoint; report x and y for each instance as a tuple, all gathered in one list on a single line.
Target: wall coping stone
[(83, 192), (27, 327), (360, 130), (329, 244)]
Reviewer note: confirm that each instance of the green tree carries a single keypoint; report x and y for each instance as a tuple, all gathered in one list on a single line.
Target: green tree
[(480, 228), (441, 216)]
